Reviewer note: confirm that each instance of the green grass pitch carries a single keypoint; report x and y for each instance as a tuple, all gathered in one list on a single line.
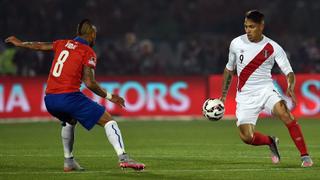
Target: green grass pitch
[(171, 150)]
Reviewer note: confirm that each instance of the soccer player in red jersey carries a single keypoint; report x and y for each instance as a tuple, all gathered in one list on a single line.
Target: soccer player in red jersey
[(252, 57), (74, 62)]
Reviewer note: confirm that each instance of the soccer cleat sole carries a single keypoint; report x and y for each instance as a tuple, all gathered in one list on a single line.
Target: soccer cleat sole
[(137, 167), (67, 169), (275, 155), (306, 164), (275, 159)]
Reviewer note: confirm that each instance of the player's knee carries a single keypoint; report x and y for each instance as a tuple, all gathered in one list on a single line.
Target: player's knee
[(246, 137), (285, 117), (284, 113), (106, 117), (72, 122)]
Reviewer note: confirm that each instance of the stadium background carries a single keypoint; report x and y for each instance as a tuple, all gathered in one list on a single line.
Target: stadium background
[(181, 47), (166, 57)]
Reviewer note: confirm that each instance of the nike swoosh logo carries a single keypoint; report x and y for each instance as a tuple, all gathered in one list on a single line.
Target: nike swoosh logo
[(217, 114)]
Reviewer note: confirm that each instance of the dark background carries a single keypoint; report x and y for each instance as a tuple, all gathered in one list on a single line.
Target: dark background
[(157, 37)]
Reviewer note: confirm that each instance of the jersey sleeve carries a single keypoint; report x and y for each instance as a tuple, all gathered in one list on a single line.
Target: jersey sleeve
[(282, 60), (90, 59), (231, 58)]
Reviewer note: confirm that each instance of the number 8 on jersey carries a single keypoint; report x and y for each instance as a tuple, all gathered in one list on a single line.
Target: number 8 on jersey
[(59, 64)]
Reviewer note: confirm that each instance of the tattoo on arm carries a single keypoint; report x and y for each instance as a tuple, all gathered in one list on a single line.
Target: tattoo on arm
[(227, 77), (91, 83), (27, 43), (38, 45)]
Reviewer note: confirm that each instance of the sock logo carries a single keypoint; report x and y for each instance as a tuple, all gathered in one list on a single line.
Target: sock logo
[(115, 131)]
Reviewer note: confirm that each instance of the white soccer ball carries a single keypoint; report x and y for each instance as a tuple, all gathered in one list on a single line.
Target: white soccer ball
[(213, 109)]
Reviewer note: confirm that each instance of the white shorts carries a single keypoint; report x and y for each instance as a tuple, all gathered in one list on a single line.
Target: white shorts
[(249, 105)]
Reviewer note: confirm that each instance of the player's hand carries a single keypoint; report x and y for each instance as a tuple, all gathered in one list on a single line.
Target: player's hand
[(118, 100), (290, 93), (13, 40)]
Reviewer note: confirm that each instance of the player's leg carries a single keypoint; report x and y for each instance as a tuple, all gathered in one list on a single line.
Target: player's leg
[(89, 113), (281, 110), (247, 114), (115, 138), (67, 135), (56, 107), (246, 132), (249, 136), (113, 132)]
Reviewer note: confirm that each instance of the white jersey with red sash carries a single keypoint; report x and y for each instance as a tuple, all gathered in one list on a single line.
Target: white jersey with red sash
[(254, 61)]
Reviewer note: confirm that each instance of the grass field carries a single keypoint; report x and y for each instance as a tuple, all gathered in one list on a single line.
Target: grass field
[(171, 150)]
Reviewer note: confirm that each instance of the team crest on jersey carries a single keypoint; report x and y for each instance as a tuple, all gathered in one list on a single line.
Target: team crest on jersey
[(92, 61)]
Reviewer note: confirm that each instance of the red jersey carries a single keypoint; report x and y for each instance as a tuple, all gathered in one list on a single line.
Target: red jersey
[(66, 70)]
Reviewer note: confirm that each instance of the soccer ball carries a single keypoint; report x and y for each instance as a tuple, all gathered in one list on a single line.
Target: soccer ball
[(213, 109)]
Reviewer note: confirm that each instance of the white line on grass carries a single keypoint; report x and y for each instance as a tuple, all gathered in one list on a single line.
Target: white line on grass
[(195, 144), (162, 171), (140, 156)]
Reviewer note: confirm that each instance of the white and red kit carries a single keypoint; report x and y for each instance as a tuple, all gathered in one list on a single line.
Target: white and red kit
[(253, 62)]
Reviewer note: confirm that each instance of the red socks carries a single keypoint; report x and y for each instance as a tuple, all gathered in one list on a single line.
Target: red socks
[(260, 139), (297, 137), (295, 133)]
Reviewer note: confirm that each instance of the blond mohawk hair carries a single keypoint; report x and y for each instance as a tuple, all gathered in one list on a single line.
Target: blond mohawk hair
[(85, 27)]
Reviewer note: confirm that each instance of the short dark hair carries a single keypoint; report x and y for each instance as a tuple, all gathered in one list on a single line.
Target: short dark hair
[(255, 15), (85, 27)]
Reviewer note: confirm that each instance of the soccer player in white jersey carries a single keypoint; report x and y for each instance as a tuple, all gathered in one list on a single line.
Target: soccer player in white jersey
[(252, 57)]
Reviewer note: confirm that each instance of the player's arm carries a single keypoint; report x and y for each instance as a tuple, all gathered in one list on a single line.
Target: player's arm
[(227, 77), (228, 72), (42, 46), (91, 83), (291, 79), (284, 64)]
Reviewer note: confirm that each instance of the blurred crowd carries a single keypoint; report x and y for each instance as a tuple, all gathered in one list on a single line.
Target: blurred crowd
[(158, 37)]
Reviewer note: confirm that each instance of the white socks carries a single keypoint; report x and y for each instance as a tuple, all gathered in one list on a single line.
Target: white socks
[(112, 131), (67, 134), (114, 136)]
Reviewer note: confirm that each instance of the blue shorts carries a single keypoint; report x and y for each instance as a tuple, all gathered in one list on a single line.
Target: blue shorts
[(75, 106)]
